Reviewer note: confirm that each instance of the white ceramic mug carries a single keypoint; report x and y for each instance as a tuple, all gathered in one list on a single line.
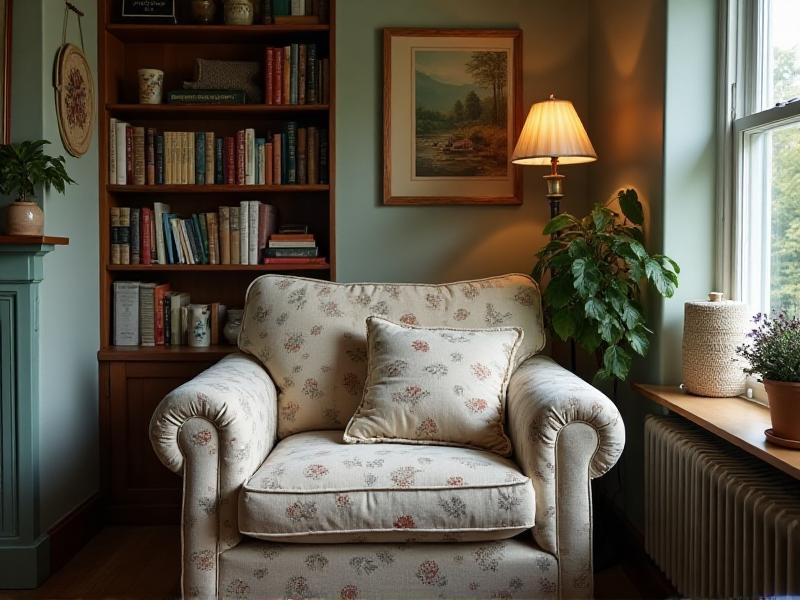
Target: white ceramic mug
[(199, 325), (151, 86)]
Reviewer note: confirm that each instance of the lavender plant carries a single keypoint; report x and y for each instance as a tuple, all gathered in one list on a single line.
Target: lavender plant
[(773, 351)]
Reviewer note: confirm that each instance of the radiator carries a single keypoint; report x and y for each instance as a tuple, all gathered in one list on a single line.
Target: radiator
[(718, 522)]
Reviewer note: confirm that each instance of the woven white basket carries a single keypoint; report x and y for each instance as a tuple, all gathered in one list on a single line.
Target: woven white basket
[(711, 332)]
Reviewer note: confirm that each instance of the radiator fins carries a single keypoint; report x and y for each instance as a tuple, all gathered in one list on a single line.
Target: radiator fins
[(718, 522)]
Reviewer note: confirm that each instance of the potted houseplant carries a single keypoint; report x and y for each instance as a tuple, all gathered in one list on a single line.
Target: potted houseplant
[(22, 167), (773, 353), (598, 265)]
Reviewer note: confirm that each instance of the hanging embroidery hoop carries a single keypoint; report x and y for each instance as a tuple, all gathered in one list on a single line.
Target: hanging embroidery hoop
[(74, 91)]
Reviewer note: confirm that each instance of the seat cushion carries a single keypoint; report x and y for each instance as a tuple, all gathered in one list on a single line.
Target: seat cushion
[(315, 488), (310, 335)]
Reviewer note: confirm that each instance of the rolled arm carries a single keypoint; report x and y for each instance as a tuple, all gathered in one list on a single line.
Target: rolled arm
[(565, 433), (216, 430)]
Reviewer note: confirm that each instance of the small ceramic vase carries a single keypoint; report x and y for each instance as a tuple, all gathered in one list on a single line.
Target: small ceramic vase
[(233, 325), (199, 325), (238, 12), (151, 86), (204, 11), (24, 218)]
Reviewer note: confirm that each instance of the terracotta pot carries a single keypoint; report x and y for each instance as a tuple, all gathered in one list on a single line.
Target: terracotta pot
[(784, 408), (24, 218)]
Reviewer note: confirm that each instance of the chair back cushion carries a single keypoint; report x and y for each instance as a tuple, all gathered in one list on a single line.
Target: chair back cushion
[(310, 335)]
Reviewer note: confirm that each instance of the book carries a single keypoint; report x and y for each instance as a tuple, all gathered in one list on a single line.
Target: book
[(244, 242), (138, 156), (323, 156), (269, 74), (171, 256), (177, 301), (287, 74), (292, 244), (266, 226), (301, 147), (213, 238), (312, 143), (252, 232), (159, 208), (201, 96), (301, 73), (280, 8), (112, 150), (122, 168), (146, 236), (266, 12), (291, 157), (159, 159), (260, 161), (150, 156), (124, 235), (235, 242), (250, 156), (126, 313), (159, 293), (230, 160), (225, 235), (194, 255), (295, 260), (147, 331), (293, 73), (291, 252), (268, 160), (177, 240), (277, 159), (311, 74), (191, 164), (116, 252), (210, 151), (241, 158), (199, 157), (219, 165), (294, 237), (277, 76), (134, 235)]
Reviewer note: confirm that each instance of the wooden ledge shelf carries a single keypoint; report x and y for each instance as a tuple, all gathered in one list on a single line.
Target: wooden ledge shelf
[(736, 420), (215, 189), (199, 110), (222, 268), (207, 34), (164, 353), (33, 240)]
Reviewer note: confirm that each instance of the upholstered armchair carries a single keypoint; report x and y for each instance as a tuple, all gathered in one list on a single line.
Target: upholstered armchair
[(276, 505)]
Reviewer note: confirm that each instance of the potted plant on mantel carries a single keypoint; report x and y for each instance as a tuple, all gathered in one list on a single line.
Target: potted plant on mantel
[(598, 265), (774, 357), (22, 167)]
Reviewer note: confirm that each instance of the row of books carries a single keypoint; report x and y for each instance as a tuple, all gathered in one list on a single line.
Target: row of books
[(236, 235), (145, 156), (151, 314), (294, 74), (293, 244)]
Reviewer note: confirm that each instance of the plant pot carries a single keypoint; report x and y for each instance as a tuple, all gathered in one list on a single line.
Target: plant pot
[(784, 408), (24, 218)]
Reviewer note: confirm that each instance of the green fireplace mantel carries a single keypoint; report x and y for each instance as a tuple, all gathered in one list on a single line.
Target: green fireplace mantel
[(24, 549)]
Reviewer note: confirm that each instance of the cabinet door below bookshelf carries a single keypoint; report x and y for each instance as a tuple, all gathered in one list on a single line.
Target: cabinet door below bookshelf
[(138, 489)]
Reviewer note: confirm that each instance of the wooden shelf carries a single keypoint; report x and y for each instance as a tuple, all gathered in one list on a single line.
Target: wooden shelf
[(214, 189), (165, 353), (200, 110), (736, 420), (220, 268), (206, 34), (33, 240)]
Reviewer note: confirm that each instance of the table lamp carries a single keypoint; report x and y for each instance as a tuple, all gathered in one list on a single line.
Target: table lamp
[(553, 134)]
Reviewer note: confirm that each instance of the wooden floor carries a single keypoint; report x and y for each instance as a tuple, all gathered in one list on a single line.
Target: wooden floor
[(129, 563)]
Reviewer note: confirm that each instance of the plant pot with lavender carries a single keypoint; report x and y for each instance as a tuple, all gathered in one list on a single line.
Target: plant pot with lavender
[(773, 352), (22, 167)]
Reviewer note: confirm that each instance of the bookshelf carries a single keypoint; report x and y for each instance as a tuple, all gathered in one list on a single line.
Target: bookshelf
[(133, 380)]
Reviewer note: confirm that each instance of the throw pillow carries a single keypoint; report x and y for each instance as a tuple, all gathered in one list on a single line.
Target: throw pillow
[(435, 385)]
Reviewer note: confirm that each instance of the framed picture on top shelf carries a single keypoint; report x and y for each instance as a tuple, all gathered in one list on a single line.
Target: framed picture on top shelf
[(148, 11), (452, 110)]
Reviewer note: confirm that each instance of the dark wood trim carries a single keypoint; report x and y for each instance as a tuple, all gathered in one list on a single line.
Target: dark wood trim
[(72, 532), (32, 240), (8, 47), (164, 353), (516, 73)]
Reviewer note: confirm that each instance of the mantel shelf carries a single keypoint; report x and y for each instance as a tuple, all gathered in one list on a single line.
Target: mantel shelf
[(33, 240)]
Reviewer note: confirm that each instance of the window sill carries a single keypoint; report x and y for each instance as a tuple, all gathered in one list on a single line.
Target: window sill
[(737, 420)]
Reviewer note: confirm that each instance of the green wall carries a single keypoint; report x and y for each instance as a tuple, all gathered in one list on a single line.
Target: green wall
[(69, 292), (428, 244)]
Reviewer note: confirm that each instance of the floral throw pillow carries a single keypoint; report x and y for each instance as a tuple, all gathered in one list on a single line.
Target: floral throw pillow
[(435, 385)]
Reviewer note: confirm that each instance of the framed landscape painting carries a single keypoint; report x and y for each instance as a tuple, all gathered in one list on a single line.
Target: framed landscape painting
[(452, 102)]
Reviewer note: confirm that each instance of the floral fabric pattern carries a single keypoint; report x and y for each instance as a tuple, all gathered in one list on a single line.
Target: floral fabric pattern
[(416, 393), (310, 335), (315, 488), (503, 569)]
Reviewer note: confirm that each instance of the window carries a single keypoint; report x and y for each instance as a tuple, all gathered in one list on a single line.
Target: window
[(760, 186), (765, 162)]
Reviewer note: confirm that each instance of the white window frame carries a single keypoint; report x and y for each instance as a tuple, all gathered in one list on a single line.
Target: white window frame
[(744, 82)]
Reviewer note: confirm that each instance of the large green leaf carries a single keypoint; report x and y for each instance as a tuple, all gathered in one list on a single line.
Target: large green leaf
[(631, 207), (655, 273), (595, 309), (559, 291), (617, 362), (630, 315), (565, 322), (587, 277), (601, 217), (559, 222), (637, 338), (610, 330)]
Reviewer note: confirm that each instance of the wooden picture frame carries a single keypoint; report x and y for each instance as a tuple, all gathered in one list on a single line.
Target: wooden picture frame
[(5, 70), (453, 151)]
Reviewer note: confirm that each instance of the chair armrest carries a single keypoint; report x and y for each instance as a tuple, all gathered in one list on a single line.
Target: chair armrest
[(216, 430), (565, 433)]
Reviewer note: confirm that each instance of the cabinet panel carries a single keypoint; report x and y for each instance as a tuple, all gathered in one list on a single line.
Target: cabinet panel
[(139, 489)]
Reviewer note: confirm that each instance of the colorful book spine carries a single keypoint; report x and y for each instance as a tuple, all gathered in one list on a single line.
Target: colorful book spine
[(199, 157), (160, 159), (252, 232), (116, 253), (124, 235), (302, 172), (235, 237), (244, 222), (209, 154), (121, 153), (249, 156), (112, 150), (225, 235), (269, 74), (146, 236), (291, 148), (134, 235), (159, 295), (241, 158), (150, 156), (301, 73), (311, 74), (219, 165), (230, 160), (277, 75), (294, 75)]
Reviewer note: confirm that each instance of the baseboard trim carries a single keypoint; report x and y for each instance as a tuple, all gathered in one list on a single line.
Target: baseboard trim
[(72, 532), (24, 566)]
